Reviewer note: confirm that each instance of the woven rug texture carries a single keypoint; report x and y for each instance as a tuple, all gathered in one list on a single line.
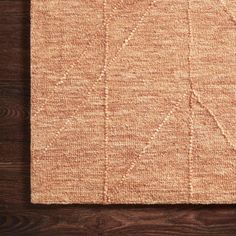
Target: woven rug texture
[(133, 101)]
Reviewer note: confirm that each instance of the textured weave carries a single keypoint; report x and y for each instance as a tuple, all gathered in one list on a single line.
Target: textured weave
[(133, 101)]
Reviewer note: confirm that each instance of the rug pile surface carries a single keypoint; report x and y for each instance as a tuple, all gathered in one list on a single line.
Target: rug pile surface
[(133, 101)]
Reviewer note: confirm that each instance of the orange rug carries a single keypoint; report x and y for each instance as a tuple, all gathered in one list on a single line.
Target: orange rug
[(133, 101)]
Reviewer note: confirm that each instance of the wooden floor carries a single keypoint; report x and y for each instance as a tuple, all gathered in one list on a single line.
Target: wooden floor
[(19, 217)]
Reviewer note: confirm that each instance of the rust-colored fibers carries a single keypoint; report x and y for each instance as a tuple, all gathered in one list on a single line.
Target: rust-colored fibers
[(133, 101)]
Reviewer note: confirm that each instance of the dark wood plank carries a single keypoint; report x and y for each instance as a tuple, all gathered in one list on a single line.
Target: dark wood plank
[(120, 220), (14, 71), (19, 217)]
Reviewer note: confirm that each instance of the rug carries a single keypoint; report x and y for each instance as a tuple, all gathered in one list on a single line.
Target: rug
[(133, 101)]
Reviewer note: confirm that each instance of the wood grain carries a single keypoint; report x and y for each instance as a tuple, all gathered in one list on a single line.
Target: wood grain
[(19, 217)]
